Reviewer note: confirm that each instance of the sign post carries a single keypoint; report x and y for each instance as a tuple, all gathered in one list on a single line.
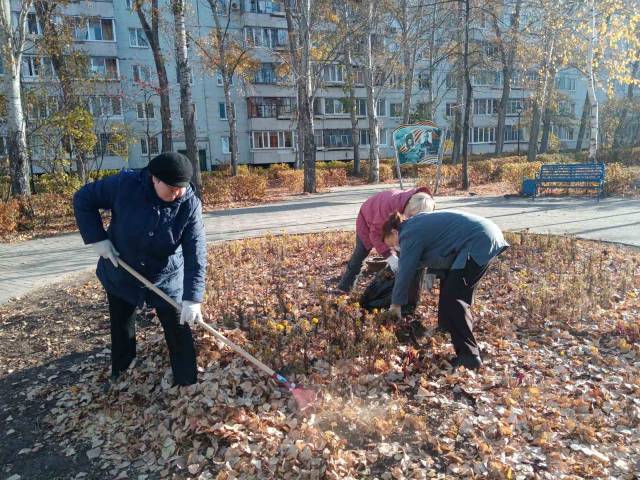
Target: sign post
[(421, 143)]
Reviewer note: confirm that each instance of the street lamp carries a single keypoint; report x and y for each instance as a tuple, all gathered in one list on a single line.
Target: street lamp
[(519, 111)]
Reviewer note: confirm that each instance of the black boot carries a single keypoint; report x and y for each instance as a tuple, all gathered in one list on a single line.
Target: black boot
[(468, 361)]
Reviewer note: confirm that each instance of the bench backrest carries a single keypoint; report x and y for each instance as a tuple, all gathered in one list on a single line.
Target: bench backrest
[(572, 172)]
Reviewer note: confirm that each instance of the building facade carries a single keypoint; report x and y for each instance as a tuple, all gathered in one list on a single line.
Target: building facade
[(110, 34)]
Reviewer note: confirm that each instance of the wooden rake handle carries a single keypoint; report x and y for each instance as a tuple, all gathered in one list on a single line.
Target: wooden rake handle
[(239, 350)]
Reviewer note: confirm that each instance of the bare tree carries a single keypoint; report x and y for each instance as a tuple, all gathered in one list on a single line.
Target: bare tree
[(508, 43), (12, 44), (225, 54), (151, 31), (186, 101)]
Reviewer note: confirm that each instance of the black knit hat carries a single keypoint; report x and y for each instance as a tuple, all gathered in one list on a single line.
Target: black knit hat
[(172, 168)]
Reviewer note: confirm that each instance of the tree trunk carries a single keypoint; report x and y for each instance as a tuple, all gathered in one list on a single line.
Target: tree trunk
[(355, 133), (153, 37), (408, 62), (583, 123), (546, 130), (540, 104), (618, 136), (457, 127), (186, 101), (306, 116), (467, 102), (591, 89), (11, 52), (507, 54), (374, 152)]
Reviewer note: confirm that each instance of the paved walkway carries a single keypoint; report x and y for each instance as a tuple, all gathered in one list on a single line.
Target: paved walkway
[(28, 265)]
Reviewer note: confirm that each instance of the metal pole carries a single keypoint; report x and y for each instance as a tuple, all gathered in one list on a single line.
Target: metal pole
[(397, 161), (518, 132)]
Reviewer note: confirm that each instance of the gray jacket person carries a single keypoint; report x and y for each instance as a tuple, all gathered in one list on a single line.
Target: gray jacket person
[(459, 244)]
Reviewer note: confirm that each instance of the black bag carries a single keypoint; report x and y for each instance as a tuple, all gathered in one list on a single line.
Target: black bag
[(378, 292)]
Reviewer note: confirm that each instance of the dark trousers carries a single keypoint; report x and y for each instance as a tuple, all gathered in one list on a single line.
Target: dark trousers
[(360, 253), (454, 306), (182, 353)]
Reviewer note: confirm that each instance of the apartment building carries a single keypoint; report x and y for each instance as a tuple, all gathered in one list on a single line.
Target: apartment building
[(109, 32)]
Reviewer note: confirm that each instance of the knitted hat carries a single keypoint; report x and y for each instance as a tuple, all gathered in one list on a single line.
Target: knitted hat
[(172, 168)]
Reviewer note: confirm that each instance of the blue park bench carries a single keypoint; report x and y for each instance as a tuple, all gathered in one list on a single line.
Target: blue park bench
[(583, 176)]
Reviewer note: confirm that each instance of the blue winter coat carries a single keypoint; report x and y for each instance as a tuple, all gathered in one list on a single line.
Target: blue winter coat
[(164, 241), (443, 240)]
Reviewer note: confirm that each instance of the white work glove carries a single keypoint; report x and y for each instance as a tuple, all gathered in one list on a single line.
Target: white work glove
[(392, 261), (106, 250), (190, 313), (395, 311)]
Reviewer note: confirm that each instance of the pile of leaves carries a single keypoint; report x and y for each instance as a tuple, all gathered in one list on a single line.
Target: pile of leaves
[(558, 396)]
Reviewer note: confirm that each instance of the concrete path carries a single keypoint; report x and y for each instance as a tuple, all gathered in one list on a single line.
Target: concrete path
[(28, 265)]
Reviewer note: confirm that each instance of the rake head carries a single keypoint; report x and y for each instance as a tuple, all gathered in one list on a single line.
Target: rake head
[(304, 397)]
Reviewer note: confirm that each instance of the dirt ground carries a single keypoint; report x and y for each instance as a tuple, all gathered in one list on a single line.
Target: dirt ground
[(557, 396)]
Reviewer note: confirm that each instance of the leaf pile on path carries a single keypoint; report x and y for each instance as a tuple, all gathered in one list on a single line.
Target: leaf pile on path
[(558, 395)]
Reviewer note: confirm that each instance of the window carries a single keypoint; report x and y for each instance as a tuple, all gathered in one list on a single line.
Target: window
[(266, 74), (485, 106), (224, 144), (105, 145), (95, 29), (358, 74), (490, 49), (333, 73), (381, 109), (361, 107), (395, 110), (33, 66), (1, 66), (364, 137), (512, 133), (106, 67), (259, 6), (129, 4), (566, 83), (566, 107), (33, 25), (141, 73), (104, 106), (3, 146), (146, 110), (336, 138), (451, 80), (424, 80), (266, 37), (270, 107), (563, 133), (383, 136), (396, 81), (151, 147), (483, 135), (222, 110), (271, 139), (137, 38), (219, 80), (334, 106), (514, 104), (450, 109), (486, 78)]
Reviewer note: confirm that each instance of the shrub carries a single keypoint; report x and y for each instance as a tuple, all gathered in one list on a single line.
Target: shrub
[(618, 178), (60, 183), (9, 213), (514, 173), (219, 190), (331, 177), (5, 187), (97, 175), (275, 168), (292, 180)]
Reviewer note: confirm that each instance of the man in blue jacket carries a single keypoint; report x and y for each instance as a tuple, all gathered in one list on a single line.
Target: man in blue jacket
[(460, 246), (156, 227)]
